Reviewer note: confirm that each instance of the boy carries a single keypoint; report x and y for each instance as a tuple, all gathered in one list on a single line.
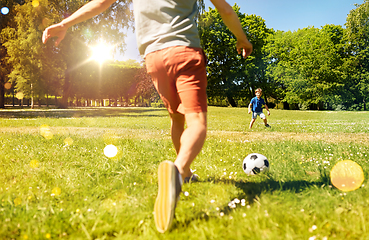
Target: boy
[(257, 103), (168, 39)]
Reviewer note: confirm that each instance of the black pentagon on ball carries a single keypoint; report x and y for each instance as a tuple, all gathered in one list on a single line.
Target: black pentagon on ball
[(244, 166), (253, 157), (266, 163), (256, 170)]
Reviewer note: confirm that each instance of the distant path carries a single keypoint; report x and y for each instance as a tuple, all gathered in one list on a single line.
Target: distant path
[(91, 132)]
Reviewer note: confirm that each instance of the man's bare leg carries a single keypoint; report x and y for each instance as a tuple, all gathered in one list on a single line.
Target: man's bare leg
[(188, 144)]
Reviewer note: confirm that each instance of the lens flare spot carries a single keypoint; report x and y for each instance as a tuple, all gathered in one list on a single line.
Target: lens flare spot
[(17, 201), (110, 151), (35, 3), (45, 132), (8, 85), (34, 164), (347, 175), (56, 191), (19, 95), (4, 10), (108, 204), (45, 22), (68, 141)]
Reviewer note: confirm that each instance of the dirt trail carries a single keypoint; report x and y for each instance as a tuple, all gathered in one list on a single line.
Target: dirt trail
[(362, 138)]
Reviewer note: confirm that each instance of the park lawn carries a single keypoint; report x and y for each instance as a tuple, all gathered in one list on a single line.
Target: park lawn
[(55, 188)]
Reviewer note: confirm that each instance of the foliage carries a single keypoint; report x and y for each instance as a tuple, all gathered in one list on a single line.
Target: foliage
[(229, 75), (49, 66), (6, 21), (357, 87)]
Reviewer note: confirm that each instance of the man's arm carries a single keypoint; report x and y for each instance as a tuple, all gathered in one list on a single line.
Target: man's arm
[(86, 12), (231, 20)]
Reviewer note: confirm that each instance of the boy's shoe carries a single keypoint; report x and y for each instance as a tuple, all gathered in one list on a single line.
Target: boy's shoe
[(267, 126), (193, 178), (169, 189)]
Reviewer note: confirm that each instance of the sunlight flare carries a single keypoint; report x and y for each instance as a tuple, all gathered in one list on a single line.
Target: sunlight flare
[(347, 175), (101, 53), (110, 151)]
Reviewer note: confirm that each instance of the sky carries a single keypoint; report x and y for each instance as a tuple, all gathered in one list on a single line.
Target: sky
[(285, 15)]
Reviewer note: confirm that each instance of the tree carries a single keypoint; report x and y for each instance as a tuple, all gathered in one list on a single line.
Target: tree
[(307, 64), (229, 75), (145, 87), (6, 21), (357, 27), (29, 65)]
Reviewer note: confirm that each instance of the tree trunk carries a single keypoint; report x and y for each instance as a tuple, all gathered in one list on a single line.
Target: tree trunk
[(66, 90), (231, 101), (286, 106), (2, 92)]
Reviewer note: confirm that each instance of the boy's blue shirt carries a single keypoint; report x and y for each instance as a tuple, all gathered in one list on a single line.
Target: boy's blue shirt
[(257, 104)]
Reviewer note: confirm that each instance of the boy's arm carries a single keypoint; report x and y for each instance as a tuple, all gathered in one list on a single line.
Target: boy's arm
[(250, 108), (87, 11), (231, 20), (266, 107)]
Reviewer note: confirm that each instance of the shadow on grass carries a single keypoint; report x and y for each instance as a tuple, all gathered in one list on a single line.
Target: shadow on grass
[(251, 191), (83, 112)]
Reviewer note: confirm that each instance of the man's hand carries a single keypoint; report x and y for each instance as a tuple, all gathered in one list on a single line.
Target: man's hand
[(244, 47), (268, 113), (56, 30)]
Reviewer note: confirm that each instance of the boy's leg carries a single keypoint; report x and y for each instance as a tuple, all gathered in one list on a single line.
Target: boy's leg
[(265, 121), (252, 122)]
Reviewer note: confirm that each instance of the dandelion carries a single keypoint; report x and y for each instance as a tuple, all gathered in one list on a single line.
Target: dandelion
[(186, 194), (221, 214), (17, 201), (34, 164), (77, 211), (48, 235), (56, 191), (68, 141)]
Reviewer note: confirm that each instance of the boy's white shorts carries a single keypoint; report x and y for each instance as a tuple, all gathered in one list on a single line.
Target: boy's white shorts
[(255, 115)]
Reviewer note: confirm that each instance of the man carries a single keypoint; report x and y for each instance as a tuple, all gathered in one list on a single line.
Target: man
[(168, 39)]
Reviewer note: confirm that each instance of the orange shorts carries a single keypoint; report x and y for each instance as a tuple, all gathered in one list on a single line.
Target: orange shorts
[(179, 76)]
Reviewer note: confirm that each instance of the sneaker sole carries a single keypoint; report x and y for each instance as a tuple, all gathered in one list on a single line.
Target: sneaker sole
[(166, 199)]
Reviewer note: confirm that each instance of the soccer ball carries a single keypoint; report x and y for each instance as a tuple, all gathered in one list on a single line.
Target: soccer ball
[(255, 163)]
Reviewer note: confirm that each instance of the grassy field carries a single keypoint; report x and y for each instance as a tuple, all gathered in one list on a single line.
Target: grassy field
[(60, 185)]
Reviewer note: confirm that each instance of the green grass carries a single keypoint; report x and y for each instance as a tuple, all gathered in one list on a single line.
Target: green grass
[(102, 198)]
